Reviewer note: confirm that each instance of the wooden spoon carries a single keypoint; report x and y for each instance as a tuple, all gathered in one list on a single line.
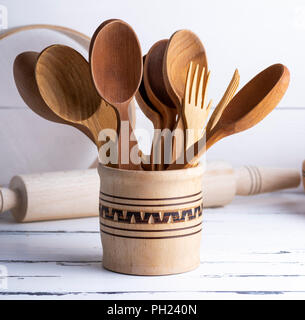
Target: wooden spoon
[(24, 76), (248, 107), (116, 67), (155, 86), (153, 115), (64, 82), (183, 48)]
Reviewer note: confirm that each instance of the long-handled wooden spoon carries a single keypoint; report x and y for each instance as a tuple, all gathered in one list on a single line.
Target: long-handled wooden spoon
[(155, 86), (183, 47), (116, 67), (24, 76), (248, 107), (153, 115), (64, 82)]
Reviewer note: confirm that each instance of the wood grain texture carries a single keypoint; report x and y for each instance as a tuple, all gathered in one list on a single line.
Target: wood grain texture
[(154, 116), (182, 48), (24, 76), (155, 86), (239, 258), (226, 98), (248, 107), (116, 67), (195, 109), (147, 217), (52, 195), (65, 83)]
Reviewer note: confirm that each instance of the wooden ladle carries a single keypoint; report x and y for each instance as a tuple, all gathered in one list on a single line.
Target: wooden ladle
[(24, 76), (183, 48), (64, 82), (116, 67), (155, 86), (248, 107)]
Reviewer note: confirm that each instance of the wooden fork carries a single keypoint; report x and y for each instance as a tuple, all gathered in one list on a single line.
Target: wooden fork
[(194, 109)]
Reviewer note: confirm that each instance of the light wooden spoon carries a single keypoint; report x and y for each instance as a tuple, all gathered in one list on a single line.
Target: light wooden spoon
[(64, 82), (24, 76), (248, 107), (155, 86), (116, 67), (183, 47)]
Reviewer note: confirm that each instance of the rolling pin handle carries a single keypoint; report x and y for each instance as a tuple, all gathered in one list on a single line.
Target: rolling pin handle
[(8, 199), (254, 180)]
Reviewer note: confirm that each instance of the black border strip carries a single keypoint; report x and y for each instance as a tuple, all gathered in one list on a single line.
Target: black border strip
[(152, 238), (150, 199), (152, 205), (164, 230)]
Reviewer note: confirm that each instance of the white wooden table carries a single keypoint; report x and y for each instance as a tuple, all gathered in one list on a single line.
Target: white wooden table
[(253, 248)]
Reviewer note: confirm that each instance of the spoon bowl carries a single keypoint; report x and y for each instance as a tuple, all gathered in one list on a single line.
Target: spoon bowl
[(155, 86), (116, 68), (183, 48), (64, 82), (24, 76)]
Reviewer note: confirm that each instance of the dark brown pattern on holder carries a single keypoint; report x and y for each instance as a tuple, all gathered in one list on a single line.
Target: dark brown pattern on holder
[(125, 216)]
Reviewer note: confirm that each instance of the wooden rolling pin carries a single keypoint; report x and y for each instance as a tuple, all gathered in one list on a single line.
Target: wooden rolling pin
[(75, 194), (221, 182)]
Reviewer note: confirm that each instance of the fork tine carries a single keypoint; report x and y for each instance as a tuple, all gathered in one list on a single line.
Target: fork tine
[(188, 84), (209, 107), (194, 86), (205, 90), (200, 90)]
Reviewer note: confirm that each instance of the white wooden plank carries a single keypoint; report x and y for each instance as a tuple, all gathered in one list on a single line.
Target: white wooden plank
[(183, 296), (90, 277)]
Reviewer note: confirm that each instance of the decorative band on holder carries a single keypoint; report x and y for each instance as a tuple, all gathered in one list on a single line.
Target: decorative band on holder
[(126, 216)]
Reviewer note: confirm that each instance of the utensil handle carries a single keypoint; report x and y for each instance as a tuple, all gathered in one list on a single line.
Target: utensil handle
[(9, 199), (226, 98), (254, 180), (79, 37)]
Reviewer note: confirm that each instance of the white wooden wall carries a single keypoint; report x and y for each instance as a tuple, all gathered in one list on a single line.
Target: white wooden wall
[(250, 35)]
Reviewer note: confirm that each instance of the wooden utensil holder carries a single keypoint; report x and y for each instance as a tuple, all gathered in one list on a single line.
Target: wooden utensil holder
[(151, 221)]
